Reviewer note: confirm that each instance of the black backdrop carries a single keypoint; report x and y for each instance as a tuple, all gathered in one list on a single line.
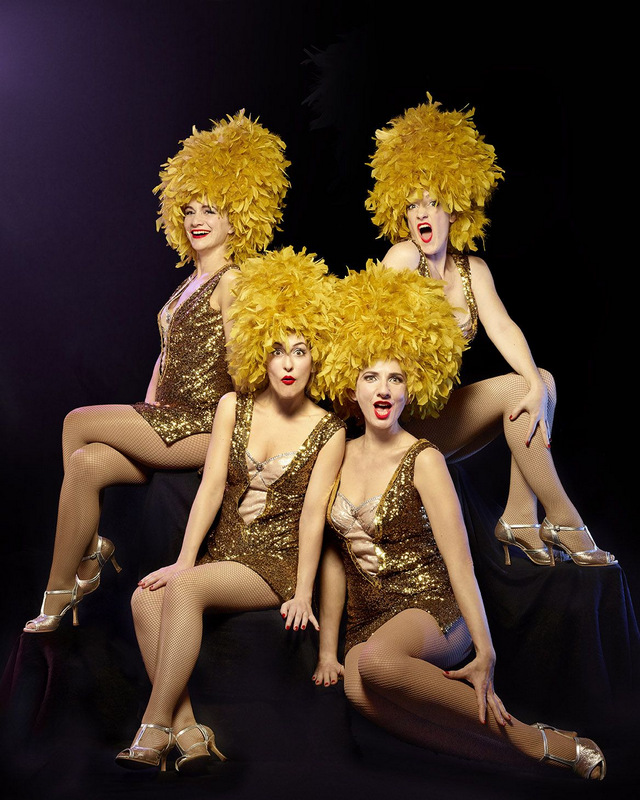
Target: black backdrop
[(95, 95)]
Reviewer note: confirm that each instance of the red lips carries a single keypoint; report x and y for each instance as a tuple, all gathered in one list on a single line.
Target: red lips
[(289, 380), (382, 409), (426, 233)]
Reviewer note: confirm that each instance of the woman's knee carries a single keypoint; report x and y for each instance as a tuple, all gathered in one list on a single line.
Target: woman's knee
[(90, 464), (378, 662), (550, 383), (144, 601)]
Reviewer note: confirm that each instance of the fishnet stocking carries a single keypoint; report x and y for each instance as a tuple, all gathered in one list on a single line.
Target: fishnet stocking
[(477, 414), (168, 625), (395, 679), (102, 446)]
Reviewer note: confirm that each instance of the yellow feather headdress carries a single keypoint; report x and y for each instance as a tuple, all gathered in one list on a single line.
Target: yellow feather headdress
[(382, 314), (440, 152), (239, 167), (277, 294)]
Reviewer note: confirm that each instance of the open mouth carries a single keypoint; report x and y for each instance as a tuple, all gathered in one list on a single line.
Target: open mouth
[(425, 231), (288, 380), (199, 234), (382, 409)]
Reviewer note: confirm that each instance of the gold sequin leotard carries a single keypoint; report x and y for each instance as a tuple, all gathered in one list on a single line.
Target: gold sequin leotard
[(266, 542), (193, 367), (468, 326), (391, 558)]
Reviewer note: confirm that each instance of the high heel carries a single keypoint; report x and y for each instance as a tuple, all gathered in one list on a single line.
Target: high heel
[(588, 755), (47, 623), (505, 535), (190, 762), (137, 756), (104, 552), (593, 557)]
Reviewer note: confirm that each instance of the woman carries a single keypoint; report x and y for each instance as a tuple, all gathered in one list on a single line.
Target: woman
[(278, 454), (433, 174), (414, 610), (221, 200)]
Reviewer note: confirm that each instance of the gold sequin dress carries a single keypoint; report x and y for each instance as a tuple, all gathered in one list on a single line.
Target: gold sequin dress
[(469, 325), (260, 514), (391, 558), (193, 367)]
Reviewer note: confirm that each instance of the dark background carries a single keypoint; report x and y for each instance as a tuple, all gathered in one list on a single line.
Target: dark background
[(94, 96)]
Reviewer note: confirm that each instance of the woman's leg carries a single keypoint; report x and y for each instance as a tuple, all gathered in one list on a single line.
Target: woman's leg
[(222, 586), (474, 416), (396, 680), (102, 446)]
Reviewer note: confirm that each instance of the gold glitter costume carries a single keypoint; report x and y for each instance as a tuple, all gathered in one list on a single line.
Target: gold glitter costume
[(193, 367), (469, 326), (407, 570), (268, 544)]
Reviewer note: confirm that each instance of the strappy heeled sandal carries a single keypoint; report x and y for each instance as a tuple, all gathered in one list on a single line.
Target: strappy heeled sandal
[(138, 757), (104, 552), (47, 623), (196, 756), (588, 755), (504, 533), (593, 557)]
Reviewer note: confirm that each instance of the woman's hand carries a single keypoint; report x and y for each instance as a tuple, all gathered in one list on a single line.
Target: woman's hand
[(160, 577), (479, 673), (534, 403), (297, 613), (327, 672)]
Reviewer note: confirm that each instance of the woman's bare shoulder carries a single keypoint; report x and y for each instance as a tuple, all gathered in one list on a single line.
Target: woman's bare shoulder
[(403, 255)]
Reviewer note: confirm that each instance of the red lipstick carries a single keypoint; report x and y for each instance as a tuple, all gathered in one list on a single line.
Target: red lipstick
[(382, 409)]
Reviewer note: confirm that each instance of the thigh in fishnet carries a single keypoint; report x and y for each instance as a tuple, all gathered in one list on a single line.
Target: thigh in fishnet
[(121, 427), (392, 679)]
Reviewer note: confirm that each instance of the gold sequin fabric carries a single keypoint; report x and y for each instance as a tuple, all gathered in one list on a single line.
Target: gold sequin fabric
[(410, 570), (193, 375), (269, 543), (470, 326)]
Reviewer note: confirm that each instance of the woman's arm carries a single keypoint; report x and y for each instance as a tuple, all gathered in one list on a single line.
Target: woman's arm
[(512, 345), (297, 611), (222, 299), (332, 589), (209, 497), (150, 396), (433, 482)]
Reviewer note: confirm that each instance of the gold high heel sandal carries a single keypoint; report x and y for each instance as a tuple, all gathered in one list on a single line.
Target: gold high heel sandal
[(189, 762), (588, 755), (47, 623), (104, 552), (504, 533), (593, 557), (138, 757)]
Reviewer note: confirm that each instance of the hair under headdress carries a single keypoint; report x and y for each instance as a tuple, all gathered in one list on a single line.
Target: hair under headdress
[(440, 152), (239, 167), (382, 314), (277, 294)]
